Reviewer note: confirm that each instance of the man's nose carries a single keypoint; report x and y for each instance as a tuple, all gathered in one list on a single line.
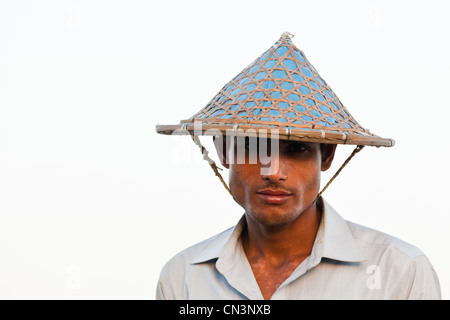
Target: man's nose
[(275, 170)]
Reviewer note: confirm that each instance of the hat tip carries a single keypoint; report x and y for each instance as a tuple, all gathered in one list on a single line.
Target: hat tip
[(287, 35)]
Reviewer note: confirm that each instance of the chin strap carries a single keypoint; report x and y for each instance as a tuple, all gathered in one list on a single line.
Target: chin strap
[(210, 161), (357, 149)]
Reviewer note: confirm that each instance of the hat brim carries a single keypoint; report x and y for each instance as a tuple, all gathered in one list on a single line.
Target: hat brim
[(317, 135)]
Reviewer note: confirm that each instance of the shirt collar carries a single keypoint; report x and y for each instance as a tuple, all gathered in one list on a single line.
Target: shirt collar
[(334, 241), (222, 244)]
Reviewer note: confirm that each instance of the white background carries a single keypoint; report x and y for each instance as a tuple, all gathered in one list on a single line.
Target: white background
[(93, 202)]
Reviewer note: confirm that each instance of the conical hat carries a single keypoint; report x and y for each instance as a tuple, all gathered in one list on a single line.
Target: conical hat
[(279, 93)]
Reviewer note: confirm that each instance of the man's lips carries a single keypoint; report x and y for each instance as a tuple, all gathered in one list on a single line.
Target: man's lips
[(273, 196)]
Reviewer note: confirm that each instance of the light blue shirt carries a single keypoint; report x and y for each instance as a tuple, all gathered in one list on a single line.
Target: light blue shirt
[(348, 261)]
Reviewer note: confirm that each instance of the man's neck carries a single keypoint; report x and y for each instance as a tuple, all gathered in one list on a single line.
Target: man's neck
[(281, 244), (274, 252)]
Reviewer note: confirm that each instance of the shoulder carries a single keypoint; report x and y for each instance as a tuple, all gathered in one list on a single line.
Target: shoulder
[(372, 243), (381, 242), (400, 263), (205, 250), (174, 272)]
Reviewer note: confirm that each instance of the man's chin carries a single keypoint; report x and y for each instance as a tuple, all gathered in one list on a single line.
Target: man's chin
[(273, 217)]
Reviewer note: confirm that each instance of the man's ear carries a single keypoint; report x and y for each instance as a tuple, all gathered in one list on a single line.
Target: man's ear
[(221, 148), (328, 151)]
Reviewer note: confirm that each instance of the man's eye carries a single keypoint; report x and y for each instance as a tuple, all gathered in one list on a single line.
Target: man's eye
[(296, 148), (251, 144)]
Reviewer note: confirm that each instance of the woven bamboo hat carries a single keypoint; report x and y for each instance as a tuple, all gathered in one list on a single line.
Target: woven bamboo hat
[(280, 91)]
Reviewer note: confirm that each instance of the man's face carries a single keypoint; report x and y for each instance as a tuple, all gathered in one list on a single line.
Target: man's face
[(276, 193)]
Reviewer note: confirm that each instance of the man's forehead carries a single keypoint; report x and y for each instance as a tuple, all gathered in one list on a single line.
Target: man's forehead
[(250, 139)]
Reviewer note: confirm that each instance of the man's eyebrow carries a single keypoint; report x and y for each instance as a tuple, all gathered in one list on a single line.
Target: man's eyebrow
[(298, 142)]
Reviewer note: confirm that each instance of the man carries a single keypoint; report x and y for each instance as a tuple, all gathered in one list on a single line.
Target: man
[(290, 243)]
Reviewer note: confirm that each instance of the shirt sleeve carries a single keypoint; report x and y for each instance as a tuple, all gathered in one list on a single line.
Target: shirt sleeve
[(171, 279), (160, 291), (164, 290), (424, 282)]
